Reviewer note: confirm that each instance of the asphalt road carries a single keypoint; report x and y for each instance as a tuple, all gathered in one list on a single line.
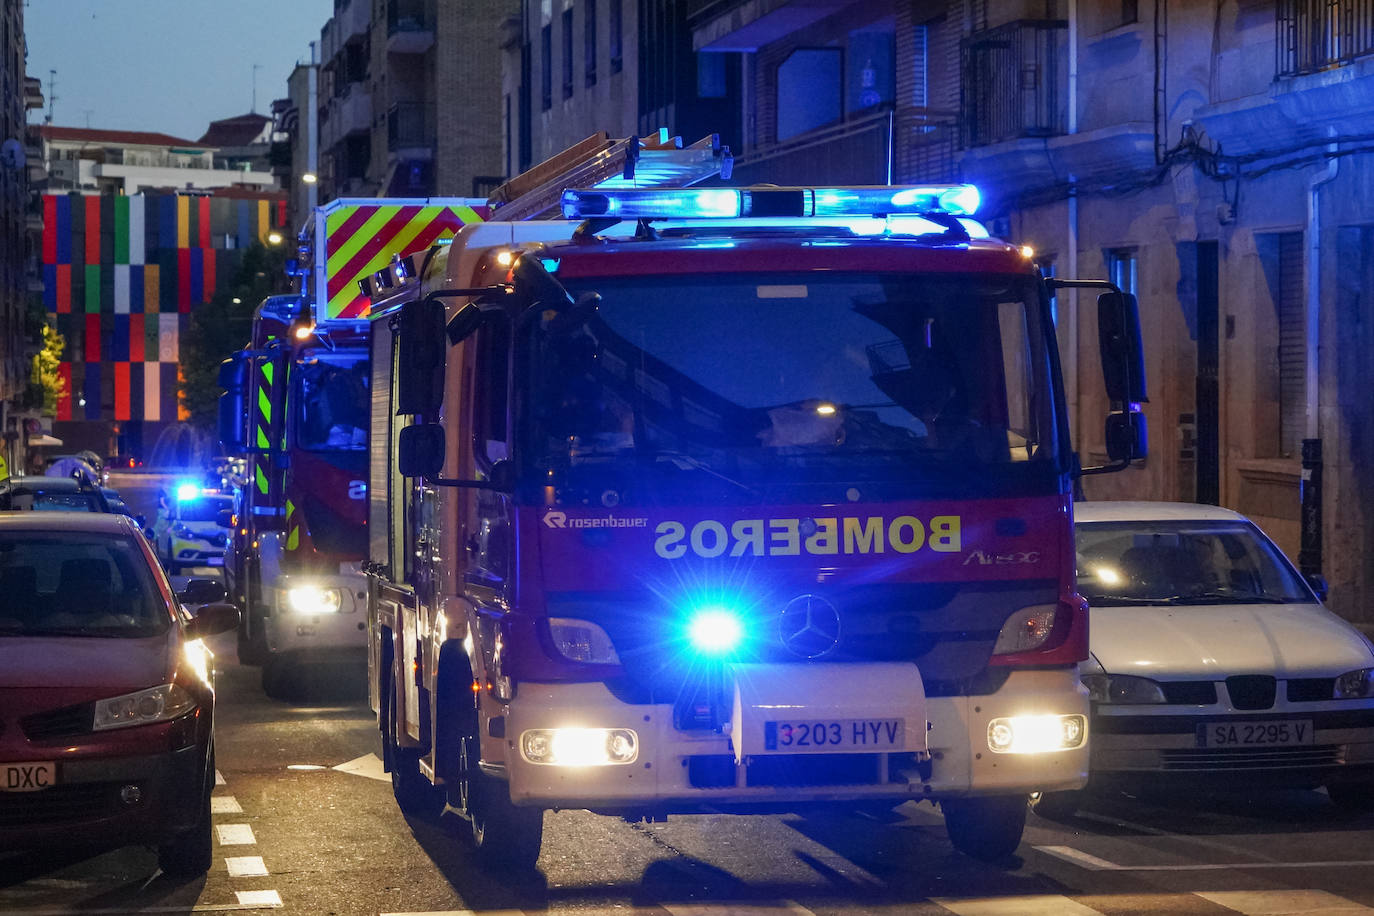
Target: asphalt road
[(306, 823)]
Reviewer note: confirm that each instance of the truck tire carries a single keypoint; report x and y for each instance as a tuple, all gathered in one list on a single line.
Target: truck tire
[(252, 633), (504, 835), (988, 829), (276, 678), (415, 795), (1056, 806)]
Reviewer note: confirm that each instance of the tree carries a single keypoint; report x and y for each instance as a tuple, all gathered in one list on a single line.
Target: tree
[(46, 384), (223, 325)]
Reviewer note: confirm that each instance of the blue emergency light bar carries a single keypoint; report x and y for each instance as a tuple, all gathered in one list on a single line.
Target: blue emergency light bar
[(732, 203)]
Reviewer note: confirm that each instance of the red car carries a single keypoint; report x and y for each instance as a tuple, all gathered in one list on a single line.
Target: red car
[(106, 692)]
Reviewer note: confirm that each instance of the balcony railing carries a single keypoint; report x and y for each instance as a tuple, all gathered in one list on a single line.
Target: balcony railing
[(405, 127), (1015, 82), (407, 16), (1317, 35)]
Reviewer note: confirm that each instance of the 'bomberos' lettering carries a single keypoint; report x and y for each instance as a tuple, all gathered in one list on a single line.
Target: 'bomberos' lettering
[(784, 537)]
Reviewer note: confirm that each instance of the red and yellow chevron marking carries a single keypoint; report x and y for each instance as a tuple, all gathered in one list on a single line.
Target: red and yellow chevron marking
[(363, 238)]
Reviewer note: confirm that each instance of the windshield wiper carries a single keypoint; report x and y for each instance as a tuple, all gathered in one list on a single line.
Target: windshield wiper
[(1218, 597), (686, 462)]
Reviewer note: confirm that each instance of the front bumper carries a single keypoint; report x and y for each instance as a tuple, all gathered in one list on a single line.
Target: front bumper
[(90, 801), (677, 770), (310, 637), (1138, 748)]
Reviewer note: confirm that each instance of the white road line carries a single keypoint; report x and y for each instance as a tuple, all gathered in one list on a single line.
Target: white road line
[(736, 909), (258, 898), (225, 804), (125, 911), (369, 765), (459, 913), (1284, 903), (1085, 860), (219, 778), (246, 866), (235, 835), (1033, 905)]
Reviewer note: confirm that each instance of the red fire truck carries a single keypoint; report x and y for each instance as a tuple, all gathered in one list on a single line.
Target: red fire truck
[(296, 402), (735, 500)]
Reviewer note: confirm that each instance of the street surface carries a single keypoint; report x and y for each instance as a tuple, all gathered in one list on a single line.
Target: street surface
[(306, 823)]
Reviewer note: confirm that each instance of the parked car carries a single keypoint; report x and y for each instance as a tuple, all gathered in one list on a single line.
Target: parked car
[(106, 694), (190, 533), (59, 494), (1213, 661)]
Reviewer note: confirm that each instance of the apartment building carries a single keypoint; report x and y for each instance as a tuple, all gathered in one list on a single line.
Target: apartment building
[(98, 161), (409, 98)]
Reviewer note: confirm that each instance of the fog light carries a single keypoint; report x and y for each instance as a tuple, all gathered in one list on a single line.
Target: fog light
[(1036, 734), (130, 795), (580, 747)]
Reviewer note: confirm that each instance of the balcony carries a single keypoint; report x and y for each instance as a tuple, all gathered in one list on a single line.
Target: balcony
[(1316, 35), (407, 135), (409, 26), (1015, 82), (747, 25)]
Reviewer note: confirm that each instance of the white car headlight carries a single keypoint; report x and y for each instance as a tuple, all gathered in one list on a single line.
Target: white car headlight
[(1027, 629), (582, 641), (1122, 689), (311, 599), (1354, 685), (156, 704)]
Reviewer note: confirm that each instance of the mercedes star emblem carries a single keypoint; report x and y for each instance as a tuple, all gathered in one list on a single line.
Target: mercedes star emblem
[(809, 626)]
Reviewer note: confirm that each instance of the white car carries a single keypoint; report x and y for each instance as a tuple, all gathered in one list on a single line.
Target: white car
[(1213, 661)]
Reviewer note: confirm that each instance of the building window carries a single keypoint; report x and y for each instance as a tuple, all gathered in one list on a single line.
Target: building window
[(1121, 268), (546, 67), (870, 81), (589, 43), (710, 75), (809, 94), (615, 25), (1292, 349), (567, 53), (920, 84)]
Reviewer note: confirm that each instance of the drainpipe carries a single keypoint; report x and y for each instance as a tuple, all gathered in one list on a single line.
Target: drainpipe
[(1310, 550), (1069, 306), (312, 142)]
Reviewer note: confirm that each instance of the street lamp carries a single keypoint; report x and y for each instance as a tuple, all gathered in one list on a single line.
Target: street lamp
[(309, 178), (274, 238)]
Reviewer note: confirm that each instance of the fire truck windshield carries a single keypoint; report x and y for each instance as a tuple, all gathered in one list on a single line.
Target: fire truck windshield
[(333, 404), (747, 376)]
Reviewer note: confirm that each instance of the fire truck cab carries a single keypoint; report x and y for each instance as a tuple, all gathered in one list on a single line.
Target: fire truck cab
[(730, 499)]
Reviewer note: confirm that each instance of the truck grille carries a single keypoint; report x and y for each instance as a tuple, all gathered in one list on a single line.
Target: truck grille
[(1253, 758)]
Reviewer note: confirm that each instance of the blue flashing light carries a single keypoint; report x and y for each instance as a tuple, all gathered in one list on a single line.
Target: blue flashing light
[(550, 264), (729, 203), (715, 630), (187, 491)]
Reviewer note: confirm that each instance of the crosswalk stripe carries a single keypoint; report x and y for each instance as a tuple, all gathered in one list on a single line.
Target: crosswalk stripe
[(736, 909), (1086, 860), (1029, 905), (246, 866), (1284, 902), (258, 898), (225, 804), (235, 834)]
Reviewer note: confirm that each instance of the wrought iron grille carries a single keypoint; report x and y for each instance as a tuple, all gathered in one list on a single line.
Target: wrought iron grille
[(1015, 82), (1316, 35)]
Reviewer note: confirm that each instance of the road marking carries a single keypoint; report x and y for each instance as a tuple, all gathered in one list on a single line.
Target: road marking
[(246, 866), (368, 765), (225, 804), (1083, 859), (125, 911), (459, 913), (235, 835), (1284, 903), (219, 778), (736, 909), (258, 898), (1030, 905)]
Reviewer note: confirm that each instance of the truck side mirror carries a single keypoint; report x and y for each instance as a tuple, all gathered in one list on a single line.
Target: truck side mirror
[(232, 378), (1118, 339), (534, 283), (420, 450), (1127, 436), (420, 359)]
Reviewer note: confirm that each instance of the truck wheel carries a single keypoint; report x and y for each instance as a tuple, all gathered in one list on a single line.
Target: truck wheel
[(1056, 806), (415, 795), (504, 835), (275, 678), (986, 828), (252, 645)]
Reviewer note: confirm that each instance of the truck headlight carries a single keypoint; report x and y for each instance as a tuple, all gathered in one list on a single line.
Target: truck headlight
[(580, 747), (144, 707), (311, 599), (1122, 688), (1036, 734), (1027, 629), (582, 641), (1355, 684)]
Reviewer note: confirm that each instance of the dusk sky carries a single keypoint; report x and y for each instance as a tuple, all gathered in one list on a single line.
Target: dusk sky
[(166, 65)]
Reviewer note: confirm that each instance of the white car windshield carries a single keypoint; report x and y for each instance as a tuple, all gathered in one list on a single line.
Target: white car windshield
[(1183, 562)]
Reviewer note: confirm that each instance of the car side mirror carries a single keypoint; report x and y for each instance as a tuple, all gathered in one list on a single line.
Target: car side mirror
[(225, 518), (1317, 583), (142, 521), (212, 619), (420, 450), (202, 591)]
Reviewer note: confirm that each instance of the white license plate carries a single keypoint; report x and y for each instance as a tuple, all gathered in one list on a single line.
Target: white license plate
[(1270, 733), (27, 777), (824, 735)]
